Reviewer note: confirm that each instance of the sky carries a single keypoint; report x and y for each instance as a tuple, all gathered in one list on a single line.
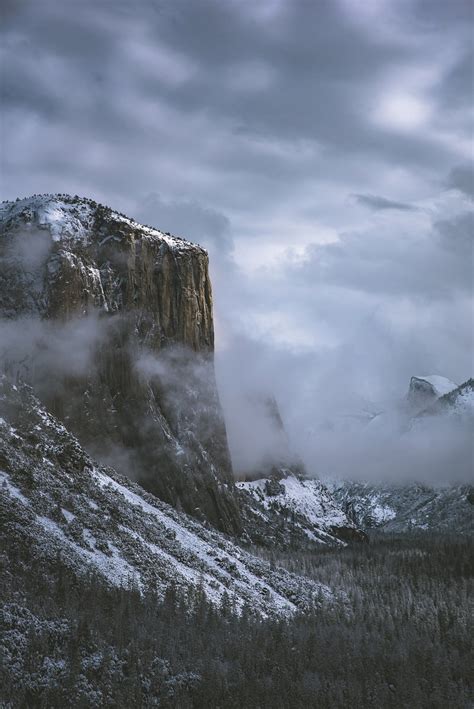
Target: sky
[(321, 151)]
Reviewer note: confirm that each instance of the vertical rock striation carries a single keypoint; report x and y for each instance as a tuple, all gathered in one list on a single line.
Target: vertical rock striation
[(134, 377)]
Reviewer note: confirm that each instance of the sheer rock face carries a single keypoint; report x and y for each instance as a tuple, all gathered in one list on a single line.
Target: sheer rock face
[(76, 255), (138, 389)]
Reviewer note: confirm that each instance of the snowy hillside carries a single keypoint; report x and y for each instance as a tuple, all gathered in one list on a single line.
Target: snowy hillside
[(306, 505), (401, 508), (458, 402), (56, 500)]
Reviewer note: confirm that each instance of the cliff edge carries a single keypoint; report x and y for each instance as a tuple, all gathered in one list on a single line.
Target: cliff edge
[(134, 377)]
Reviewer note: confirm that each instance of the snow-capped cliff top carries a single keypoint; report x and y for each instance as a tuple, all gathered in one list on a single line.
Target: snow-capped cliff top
[(77, 218), (441, 385)]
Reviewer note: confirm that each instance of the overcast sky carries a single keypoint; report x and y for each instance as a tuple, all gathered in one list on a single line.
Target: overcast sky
[(321, 150)]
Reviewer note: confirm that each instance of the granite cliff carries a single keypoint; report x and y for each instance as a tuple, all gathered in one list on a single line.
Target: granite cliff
[(137, 387)]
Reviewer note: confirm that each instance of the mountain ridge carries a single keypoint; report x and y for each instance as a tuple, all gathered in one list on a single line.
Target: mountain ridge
[(409, 506)]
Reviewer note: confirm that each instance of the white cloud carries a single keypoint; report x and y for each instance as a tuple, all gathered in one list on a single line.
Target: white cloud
[(402, 111)]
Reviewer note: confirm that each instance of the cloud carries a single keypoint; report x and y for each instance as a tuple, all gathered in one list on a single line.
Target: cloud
[(48, 352), (391, 447), (377, 203), (164, 95), (344, 406), (363, 263), (461, 178), (202, 225), (385, 302), (457, 234)]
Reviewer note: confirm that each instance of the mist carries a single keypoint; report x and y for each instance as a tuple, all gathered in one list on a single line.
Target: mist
[(47, 352), (335, 334), (345, 418)]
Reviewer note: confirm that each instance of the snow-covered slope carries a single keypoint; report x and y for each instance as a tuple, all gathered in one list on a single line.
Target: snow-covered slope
[(457, 402), (54, 498), (401, 508), (305, 506)]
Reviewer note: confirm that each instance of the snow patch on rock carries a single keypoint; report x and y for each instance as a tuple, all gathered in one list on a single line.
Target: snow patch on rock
[(308, 502), (441, 385)]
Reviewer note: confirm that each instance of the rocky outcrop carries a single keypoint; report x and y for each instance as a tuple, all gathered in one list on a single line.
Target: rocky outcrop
[(409, 507), (65, 256), (276, 459), (458, 402), (134, 377), (423, 391), (294, 511)]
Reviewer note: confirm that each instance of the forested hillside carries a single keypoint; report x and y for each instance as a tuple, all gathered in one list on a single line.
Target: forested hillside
[(402, 640)]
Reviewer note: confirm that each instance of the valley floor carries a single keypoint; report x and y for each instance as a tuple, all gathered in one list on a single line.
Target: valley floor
[(402, 639)]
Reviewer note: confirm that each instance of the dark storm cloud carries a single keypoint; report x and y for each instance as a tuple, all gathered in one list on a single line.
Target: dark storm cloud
[(457, 234), (199, 224), (461, 178), (378, 203), (107, 71), (458, 84), (306, 73), (433, 14), (424, 263)]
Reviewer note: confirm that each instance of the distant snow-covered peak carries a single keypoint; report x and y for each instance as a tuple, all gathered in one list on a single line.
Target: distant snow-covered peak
[(425, 390), (440, 385)]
